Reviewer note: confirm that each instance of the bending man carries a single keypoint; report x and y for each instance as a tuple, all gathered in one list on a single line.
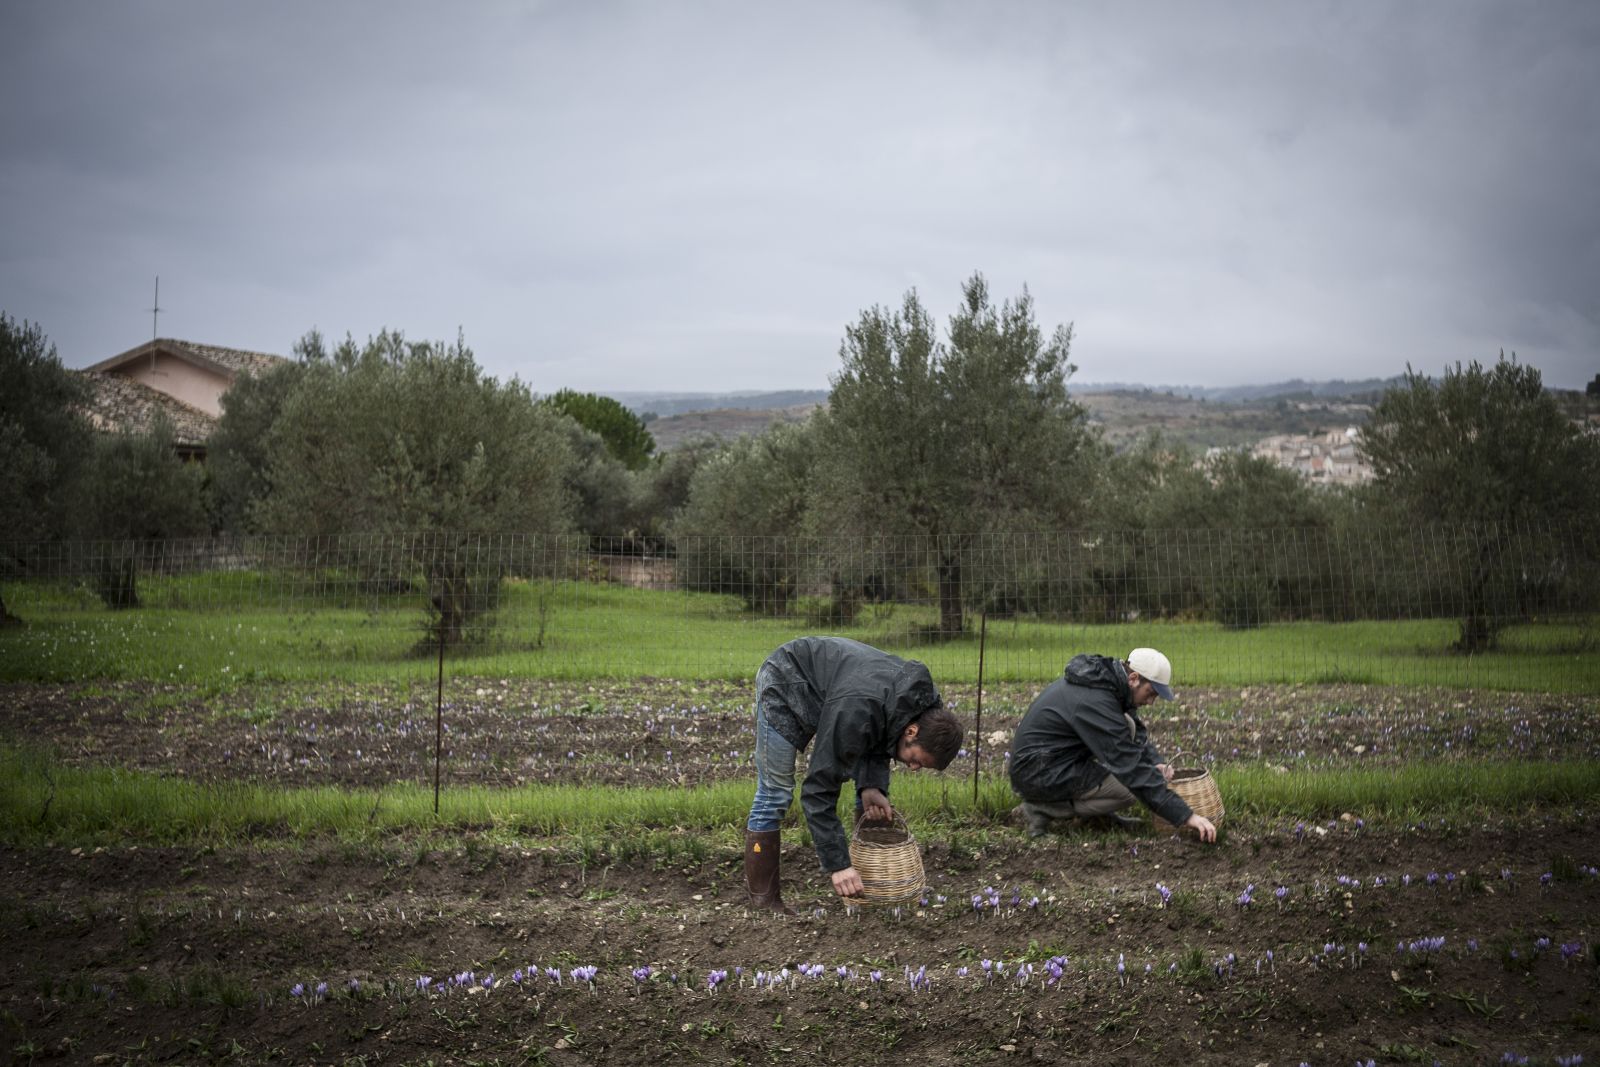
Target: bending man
[(863, 707)]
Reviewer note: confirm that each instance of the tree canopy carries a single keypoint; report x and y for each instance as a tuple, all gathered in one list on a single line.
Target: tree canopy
[(397, 435), (624, 433), (43, 437), (1490, 453), (1481, 445), (949, 439)]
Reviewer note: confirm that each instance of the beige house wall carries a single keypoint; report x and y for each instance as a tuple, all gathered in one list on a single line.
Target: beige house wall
[(179, 378)]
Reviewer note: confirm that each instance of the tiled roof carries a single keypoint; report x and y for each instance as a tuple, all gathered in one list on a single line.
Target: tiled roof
[(116, 400), (228, 361), (236, 360)]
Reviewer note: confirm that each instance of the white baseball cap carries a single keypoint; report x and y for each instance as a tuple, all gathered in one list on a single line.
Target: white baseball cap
[(1154, 668)]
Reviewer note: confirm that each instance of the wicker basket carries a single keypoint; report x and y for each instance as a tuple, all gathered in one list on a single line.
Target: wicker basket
[(886, 857), (1199, 790)]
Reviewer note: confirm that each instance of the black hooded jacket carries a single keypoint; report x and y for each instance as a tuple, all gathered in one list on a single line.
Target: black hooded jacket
[(1081, 728), (855, 701)]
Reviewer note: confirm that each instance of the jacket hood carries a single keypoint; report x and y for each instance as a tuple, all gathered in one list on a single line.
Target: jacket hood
[(1099, 672)]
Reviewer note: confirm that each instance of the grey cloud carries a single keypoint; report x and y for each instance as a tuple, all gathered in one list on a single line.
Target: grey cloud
[(702, 195)]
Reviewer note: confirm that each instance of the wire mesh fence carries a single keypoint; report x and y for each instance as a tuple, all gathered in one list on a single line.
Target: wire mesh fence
[(1457, 606)]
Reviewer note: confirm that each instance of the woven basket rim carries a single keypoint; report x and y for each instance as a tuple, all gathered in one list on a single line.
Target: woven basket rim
[(891, 872)]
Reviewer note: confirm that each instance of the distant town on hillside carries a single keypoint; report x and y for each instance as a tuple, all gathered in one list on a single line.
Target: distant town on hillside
[(1308, 427)]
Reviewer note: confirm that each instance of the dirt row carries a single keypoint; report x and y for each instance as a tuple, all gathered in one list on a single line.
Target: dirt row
[(176, 955)]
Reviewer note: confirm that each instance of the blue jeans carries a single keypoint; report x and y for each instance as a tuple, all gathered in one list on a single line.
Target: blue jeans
[(775, 760)]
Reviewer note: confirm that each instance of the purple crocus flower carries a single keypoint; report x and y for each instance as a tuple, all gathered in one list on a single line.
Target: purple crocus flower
[(641, 975)]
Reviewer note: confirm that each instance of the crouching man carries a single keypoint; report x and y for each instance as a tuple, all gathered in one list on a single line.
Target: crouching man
[(863, 707), (1082, 752)]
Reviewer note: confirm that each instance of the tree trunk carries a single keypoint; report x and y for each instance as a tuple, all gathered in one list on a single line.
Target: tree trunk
[(1480, 629), (951, 622), (118, 582)]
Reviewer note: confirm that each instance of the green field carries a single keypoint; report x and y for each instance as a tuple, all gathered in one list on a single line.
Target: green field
[(221, 630)]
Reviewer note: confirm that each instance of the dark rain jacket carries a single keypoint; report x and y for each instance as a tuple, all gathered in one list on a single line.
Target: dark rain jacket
[(855, 701), (1083, 727)]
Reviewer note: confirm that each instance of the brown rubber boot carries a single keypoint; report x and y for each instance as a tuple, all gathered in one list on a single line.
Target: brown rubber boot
[(761, 871)]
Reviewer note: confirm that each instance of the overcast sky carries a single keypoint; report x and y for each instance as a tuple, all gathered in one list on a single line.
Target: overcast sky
[(702, 195)]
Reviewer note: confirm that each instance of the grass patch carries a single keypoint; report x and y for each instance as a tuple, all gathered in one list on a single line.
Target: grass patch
[(42, 800), (223, 631)]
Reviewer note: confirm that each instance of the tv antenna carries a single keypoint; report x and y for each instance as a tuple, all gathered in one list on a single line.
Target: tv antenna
[(155, 311)]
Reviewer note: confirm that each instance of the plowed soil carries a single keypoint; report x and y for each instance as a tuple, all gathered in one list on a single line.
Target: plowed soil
[(1415, 941)]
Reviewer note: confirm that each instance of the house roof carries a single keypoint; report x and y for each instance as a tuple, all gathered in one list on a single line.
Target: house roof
[(229, 362), (116, 401)]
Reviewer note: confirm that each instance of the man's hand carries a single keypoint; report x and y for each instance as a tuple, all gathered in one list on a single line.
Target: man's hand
[(847, 883), (1166, 770), (875, 806), (1202, 826)]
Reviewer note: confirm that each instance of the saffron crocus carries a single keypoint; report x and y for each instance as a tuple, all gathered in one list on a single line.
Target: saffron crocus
[(1166, 894), (297, 990), (1282, 893), (641, 975), (715, 978), (322, 990), (1245, 899)]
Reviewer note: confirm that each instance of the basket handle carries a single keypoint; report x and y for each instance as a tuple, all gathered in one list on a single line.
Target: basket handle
[(895, 820)]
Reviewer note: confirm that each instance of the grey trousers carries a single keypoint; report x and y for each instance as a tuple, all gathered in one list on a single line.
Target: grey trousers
[(1109, 796)]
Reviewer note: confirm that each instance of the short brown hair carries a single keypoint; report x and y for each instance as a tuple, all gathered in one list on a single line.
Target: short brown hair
[(939, 734)]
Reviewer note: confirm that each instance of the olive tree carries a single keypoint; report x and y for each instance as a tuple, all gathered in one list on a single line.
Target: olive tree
[(1486, 451), (746, 506), (136, 495), (237, 451), (43, 442), (944, 440), (401, 437)]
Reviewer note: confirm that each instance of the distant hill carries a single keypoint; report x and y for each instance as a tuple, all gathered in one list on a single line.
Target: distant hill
[(665, 404), (1199, 416), (685, 403), (1294, 389)]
